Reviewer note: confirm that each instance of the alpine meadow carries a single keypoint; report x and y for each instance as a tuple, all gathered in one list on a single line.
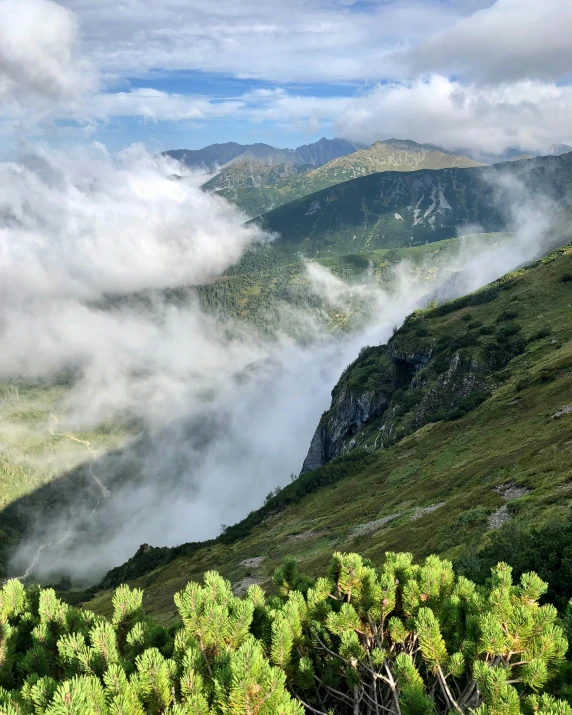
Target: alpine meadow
[(285, 357)]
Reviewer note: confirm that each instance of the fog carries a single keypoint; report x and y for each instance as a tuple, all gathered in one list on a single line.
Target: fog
[(226, 413)]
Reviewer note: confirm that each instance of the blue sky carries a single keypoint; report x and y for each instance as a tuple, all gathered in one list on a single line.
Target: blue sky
[(217, 87), (480, 75)]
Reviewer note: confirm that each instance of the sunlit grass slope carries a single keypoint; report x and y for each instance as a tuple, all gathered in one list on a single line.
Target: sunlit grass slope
[(436, 489)]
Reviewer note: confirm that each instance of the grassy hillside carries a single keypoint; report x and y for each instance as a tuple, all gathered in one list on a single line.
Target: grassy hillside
[(448, 487), (400, 209), (34, 447), (256, 188), (37, 445)]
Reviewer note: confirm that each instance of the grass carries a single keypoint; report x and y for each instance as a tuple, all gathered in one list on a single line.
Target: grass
[(513, 436)]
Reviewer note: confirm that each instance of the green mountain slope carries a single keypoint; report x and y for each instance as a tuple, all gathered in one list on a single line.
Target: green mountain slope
[(259, 286), (255, 186), (256, 190), (448, 486), (396, 209)]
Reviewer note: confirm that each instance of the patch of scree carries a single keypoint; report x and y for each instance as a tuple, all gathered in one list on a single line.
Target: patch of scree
[(241, 587), (294, 538), (508, 492), (418, 513), (373, 525), (254, 562)]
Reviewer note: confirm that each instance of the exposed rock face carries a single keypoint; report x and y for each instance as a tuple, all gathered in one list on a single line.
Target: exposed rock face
[(458, 381), (352, 407), (349, 412), (392, 390)]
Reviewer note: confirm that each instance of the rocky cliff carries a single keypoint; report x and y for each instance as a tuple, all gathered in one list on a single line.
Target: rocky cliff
[(424, 374)]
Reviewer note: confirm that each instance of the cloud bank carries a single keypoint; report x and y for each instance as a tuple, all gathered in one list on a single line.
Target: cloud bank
[(508, 41), (79, 231), (39, 55), (527, 114)]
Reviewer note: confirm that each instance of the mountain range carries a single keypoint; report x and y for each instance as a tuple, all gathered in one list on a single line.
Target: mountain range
[(445, 439), (433, 204), (217, 155), (256, 188)]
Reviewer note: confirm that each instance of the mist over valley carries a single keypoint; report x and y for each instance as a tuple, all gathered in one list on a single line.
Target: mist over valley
[(285, 357)]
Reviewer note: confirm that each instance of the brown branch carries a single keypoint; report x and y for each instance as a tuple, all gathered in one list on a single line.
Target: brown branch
[(446, 692), (309, 707), (393, 687)]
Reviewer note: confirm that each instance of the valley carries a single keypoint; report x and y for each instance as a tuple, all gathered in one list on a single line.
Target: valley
[(487, 458), (316, 289)]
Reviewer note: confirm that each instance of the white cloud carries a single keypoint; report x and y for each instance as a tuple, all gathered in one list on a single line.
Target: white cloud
[(151, 104), (38, 52), (281, 41), (530, 114), (509, 41), (506, 56), (258, 106), (85, 224)]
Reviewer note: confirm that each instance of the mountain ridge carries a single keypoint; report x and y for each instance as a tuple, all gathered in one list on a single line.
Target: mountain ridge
[(216, 155), (256, 189), (389, 209)]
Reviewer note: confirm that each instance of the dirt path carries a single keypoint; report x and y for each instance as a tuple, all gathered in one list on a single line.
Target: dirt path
[(104, 490)]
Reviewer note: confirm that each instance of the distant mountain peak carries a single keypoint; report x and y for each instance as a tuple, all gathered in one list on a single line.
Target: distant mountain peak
[(413, 145), (215, 156)]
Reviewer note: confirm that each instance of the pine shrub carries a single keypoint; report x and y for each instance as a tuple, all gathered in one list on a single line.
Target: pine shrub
[(406, 639)]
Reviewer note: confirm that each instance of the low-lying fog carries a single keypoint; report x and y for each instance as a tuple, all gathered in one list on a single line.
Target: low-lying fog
[(227, 413)]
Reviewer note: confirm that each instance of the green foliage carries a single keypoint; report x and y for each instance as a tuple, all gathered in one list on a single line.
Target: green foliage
[(406, 639), (465, 405), (57, 660), (546, 550)]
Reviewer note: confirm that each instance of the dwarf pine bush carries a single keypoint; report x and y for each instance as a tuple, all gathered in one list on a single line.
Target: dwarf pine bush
[(405, 639)]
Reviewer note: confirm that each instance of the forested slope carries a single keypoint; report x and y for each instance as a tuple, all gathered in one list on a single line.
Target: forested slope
[(399, 209)]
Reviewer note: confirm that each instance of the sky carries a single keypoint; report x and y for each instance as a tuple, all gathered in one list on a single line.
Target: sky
[(471, 74)]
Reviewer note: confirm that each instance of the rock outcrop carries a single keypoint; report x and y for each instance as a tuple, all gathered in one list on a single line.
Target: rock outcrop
[(392, 390), (350, 411)]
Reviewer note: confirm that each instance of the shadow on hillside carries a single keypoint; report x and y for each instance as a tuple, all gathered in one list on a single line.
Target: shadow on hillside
[(74, 509)]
